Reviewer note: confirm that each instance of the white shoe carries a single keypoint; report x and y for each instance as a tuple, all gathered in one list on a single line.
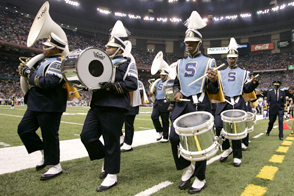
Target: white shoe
[(198, 184), (159, 136), (41, 165), (110, 180), (121, 140), (126, 147), (163, 140), (244, 147), (237, 162), (188, 172), (225, 154), (52, 172)]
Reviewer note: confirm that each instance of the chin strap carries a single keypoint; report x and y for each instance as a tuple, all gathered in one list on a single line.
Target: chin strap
[(114, 54)]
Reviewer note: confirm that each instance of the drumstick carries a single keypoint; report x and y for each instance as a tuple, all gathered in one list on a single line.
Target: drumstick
[(206, 74), (251, 79), (184, 99)]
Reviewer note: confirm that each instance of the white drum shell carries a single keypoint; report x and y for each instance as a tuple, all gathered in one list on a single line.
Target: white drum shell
[(188, 148), (240, 121)]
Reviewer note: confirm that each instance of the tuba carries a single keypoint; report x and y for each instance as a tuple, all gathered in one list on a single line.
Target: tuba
[(158, 64), (41, 28)]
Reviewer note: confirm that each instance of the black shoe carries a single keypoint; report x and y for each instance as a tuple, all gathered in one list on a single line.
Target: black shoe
[(39, 167), (184, 184), (281, 138), (196, 190), (103, 175), (103, 188), (49, 176), (267, 134)]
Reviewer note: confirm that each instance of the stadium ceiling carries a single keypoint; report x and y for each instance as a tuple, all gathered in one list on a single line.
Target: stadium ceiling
[(87, 17)]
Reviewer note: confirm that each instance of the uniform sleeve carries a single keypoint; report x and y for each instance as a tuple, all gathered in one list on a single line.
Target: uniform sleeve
[(177, 86), (212, 88), (130, 82), (51, 78)]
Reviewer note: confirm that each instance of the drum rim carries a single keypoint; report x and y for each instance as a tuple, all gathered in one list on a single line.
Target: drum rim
[(191, 130), (76, 53), (236, 119), (233, 136), (250, 118), (211, 151)]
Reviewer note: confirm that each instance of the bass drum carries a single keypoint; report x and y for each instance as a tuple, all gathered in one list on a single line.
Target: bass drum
[(168, 90), (87, 68), (197, 140)]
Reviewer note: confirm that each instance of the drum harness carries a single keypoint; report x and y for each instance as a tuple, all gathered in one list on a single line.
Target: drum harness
[(197, 100)]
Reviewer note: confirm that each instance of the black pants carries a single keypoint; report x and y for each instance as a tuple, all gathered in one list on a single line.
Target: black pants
[(181, 163), (49, 123), (272, 119), (129, 129), (165, 122), (108, 123)]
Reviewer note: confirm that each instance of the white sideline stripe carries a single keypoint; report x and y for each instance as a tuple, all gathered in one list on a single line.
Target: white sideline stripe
[(71, 123), (143, 119), (60, 121), (17, 158), (144, 128), (213, 159), (257, 136), (154, 189), (4, 144), (10, 115)]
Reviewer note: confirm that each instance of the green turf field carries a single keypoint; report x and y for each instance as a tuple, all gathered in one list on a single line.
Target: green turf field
[(149, 165)]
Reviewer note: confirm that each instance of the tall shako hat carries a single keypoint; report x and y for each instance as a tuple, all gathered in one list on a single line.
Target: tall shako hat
[(193, 23), (233, 48), (117, 32), (55, 41)]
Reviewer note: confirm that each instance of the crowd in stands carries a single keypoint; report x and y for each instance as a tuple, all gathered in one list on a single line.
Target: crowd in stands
[(14, 28)]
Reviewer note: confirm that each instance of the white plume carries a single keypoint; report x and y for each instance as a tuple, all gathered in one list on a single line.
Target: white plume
[(119, 30), (233, 44), (195, 21), (128, 48)]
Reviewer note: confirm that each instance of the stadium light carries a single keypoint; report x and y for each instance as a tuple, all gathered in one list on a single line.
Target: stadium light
[(74, 3), (119, 14), (103, 11)]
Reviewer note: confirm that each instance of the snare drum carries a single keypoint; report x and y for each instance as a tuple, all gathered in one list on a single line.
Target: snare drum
[(250, 121), (168, 90), (197, 140), (234, 122), (87, 68)]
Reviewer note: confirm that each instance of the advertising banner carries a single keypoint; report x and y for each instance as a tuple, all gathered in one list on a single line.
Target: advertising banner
[(265, 46)]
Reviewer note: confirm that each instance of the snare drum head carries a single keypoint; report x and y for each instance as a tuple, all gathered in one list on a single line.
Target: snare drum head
[(193, 122), (93, 67), (233, 115)]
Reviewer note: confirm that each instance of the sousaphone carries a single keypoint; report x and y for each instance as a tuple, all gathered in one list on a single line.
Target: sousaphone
[(41, 28)]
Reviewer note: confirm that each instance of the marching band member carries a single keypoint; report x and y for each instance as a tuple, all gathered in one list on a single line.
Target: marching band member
[(130, 118), (13, 100), (276, 100), (160, 108), (233, 80), (109, 106), (46, 101), (199, 101)]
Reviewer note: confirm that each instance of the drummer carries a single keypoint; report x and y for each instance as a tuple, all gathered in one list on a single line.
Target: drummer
[(233, 80), (197, 96), (106, 116)]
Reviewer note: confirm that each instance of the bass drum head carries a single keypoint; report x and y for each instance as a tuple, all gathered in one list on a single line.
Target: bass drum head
[(94, 66)]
